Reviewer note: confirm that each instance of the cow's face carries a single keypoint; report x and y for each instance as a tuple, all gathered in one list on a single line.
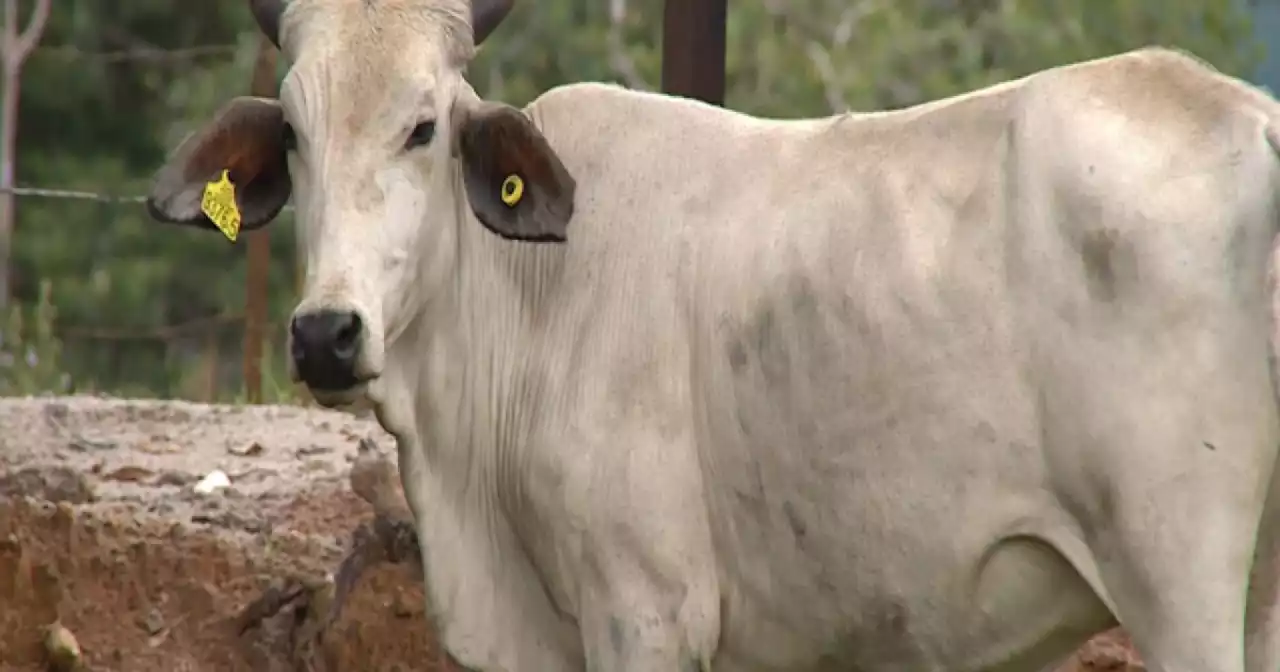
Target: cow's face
[(387, 151)]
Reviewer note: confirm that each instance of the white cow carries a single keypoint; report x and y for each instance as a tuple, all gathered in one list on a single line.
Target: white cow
[(946, 388)]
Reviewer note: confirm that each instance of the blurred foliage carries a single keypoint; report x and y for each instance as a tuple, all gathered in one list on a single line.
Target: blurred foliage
[(30, 352), (115, 85)]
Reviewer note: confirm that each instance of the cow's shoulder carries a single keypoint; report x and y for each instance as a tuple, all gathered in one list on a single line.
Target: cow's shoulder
[(580, 104), (595, 108), (576, 94)]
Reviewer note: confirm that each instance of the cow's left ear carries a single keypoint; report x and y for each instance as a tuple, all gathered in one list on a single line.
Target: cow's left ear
[(245, 144), (517, 186)]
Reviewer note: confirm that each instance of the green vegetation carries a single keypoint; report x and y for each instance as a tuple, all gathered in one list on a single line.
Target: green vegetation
[(30, 351), (114, 86)]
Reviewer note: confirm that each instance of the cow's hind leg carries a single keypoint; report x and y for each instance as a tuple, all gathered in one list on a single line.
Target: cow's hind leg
[(1262, 619), (1262, 635), (1179, 593), (1162, 431), (1167, 470)]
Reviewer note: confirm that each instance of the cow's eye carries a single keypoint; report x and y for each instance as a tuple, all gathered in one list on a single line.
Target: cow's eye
[(288, 139), (421, 135)]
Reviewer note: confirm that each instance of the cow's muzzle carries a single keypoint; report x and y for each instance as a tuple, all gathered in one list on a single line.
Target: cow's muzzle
[(325, 346)]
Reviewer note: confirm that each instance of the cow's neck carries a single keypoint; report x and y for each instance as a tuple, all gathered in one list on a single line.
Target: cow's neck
[(476, 360), (464, 385)]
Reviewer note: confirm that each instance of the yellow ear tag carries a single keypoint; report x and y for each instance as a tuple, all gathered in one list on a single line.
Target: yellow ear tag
[(219, 205), (512, 190)]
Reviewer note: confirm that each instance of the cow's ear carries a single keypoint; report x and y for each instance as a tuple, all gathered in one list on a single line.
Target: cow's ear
[(247, 140), (515, 183)]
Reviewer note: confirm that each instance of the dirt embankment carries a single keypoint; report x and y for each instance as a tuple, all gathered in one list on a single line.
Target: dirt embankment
[(106, 530)]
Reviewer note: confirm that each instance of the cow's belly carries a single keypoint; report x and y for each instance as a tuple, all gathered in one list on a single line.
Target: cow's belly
[(876, 509), (955, 597), (1031, 609)]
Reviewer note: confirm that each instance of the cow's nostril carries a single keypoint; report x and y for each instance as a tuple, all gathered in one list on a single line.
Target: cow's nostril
[(297, 341), (325, 348), (346, 336)]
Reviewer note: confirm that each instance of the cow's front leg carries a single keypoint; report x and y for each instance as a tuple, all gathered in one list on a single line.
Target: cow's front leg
[(490, 610), (649, 594), (632, 637)]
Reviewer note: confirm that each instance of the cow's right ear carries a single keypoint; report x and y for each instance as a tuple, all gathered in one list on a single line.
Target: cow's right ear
[(515, 182), (247, 139)]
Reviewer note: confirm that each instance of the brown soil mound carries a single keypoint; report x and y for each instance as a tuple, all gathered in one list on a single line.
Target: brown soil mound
[(103, 532)]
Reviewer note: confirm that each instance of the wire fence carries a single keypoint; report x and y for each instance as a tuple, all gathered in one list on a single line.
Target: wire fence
[(70, 194), (76, 195), (151, 54), (206, 356)]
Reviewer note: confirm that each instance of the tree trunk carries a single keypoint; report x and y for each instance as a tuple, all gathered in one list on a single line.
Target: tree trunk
[(259, 261), (16, 47), (693, 49), (12, 82)]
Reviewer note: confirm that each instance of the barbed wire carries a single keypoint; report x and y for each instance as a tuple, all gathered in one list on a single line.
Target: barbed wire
[(207, 326), (150, 54), (163, 333), (76, 195), (70, 194)]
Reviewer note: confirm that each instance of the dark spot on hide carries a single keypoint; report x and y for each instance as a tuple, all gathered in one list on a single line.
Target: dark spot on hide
[(788, 354), (617, 638), (760, 337), (1241, 251), (1106, 503), (882, 633), (793, 519), (987, 433), (1098, 252), (891, 618), (737, 356), (786, 330)]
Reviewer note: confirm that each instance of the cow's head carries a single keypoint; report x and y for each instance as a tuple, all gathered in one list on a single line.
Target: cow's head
[(388, 152)]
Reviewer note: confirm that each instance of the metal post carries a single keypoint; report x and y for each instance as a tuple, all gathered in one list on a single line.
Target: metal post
[(693, 47), (259, 253)]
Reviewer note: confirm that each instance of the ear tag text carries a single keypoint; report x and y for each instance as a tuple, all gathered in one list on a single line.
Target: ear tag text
[(512, 190), (219, 205)]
